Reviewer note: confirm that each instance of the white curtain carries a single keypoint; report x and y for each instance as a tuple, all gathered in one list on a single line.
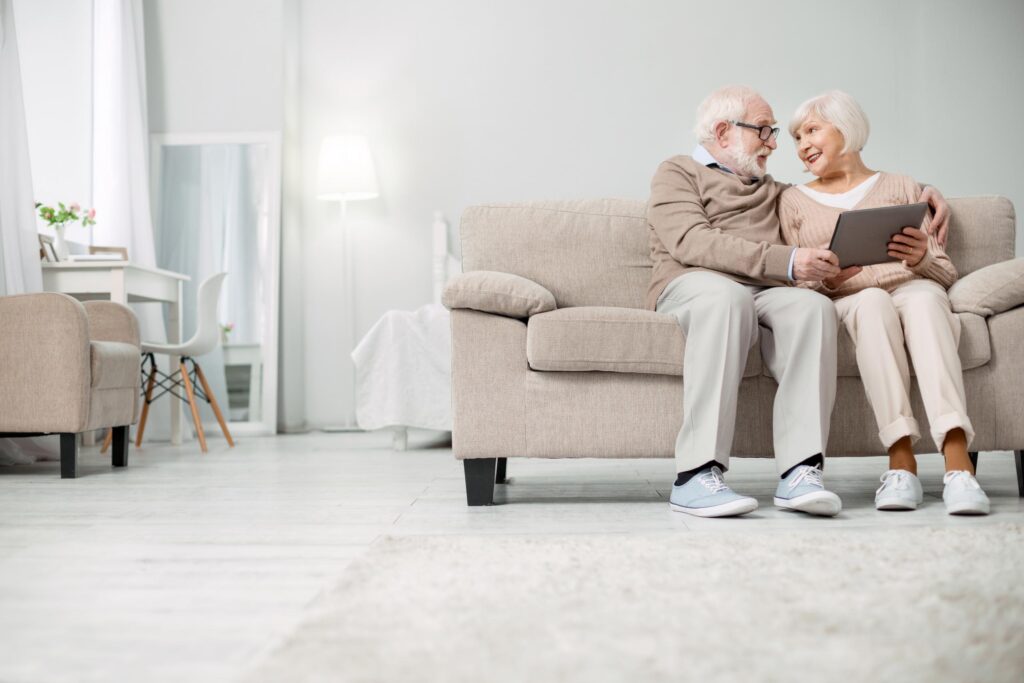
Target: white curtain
[(19, 246)]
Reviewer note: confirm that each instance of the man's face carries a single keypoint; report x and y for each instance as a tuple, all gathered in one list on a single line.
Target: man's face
[(749, 152)]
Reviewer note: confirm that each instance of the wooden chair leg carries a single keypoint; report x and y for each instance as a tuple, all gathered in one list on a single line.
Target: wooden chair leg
[(192, 404), (145, 404), (213, 404), (107, 440)]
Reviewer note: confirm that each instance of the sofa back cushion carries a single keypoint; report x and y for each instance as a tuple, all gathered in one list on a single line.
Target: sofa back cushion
[(595, 252)]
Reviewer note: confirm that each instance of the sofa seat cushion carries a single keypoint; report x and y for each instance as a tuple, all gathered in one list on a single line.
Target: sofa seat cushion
[(115, 365), (611, 339), (974, 349)]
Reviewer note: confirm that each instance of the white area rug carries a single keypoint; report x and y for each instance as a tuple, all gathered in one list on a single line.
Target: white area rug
[(907, 604)]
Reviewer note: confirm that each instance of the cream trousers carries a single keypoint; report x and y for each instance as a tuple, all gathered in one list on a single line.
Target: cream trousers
[(722, 320), (916, 314)]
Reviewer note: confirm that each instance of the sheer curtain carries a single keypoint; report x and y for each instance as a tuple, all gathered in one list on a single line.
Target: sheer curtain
[(19, 246)]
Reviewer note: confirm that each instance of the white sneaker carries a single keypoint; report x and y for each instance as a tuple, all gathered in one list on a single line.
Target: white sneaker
[(963, 495), (900, 490)]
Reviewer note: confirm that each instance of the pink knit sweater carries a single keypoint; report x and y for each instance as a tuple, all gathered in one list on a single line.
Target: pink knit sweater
[(807, 223)]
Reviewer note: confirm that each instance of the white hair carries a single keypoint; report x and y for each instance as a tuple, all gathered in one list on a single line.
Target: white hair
[(725, 104), (842, 111)]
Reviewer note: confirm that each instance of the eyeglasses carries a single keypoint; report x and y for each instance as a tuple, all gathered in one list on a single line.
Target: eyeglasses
[(763, 132)]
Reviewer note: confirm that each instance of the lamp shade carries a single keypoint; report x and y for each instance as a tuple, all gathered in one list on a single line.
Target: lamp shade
[(346, 171)]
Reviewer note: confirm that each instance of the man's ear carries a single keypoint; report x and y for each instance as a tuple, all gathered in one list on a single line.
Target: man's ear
[(722, 133)]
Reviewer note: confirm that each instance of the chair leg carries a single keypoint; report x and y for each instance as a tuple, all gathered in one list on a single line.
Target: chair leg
[(107, 440), (68, 456), (479, 480), (192, 404), (973, 455), (119, 435), (213, 404), (499, 473), (145, 404), (1018, 456)]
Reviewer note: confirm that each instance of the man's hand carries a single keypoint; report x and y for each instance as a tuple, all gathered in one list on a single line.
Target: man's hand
[(909, 246), (814, 265), (940, 221), (844, 275)]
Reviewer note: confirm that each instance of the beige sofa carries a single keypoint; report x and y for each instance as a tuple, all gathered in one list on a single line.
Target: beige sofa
[(68, 367), (554, 357)]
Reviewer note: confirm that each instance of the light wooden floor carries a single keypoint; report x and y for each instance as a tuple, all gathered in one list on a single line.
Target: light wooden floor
[(191, 567)]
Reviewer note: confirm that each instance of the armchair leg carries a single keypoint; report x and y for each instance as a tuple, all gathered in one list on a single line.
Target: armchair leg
[(68, 456), (1018, 457), (120, 440), (973, 455), (499, 473), (479, 480)]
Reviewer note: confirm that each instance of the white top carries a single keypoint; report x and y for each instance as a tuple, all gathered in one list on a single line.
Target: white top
[(847, 200)]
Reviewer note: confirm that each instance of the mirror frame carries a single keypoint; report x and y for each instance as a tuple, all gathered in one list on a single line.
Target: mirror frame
[(272, 139)]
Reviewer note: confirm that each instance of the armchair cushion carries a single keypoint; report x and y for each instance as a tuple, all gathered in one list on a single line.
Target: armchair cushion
[(499, 293), (115, 365), (991, 290)]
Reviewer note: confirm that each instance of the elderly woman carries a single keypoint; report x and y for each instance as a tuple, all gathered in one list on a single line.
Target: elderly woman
[(884, 306)]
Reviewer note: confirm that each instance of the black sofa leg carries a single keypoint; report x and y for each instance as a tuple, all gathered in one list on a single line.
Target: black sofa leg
[(119, 451), (479, 480), (1018, 456), (68, 456), (499, 473), (973, 455)]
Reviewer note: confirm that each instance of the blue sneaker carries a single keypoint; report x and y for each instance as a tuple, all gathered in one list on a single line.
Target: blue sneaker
[(707, 495), (804, 490)]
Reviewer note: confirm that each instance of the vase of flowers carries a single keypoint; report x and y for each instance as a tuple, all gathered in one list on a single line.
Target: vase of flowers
[(58, 219), (225, 332)]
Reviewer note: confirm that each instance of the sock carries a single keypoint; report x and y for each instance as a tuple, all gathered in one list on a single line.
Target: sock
[(816, 459), (686, 476)]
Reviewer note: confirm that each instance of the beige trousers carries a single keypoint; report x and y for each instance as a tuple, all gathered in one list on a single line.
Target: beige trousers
[(722, 320), (916, 314)]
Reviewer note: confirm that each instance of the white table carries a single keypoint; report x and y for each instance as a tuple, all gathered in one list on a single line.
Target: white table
[(123, 282)]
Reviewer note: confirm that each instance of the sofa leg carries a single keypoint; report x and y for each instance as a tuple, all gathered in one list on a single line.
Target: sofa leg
[(973, 455), (499, 473), (479, 480), (68, 456), (120, 452), (1018, 456)]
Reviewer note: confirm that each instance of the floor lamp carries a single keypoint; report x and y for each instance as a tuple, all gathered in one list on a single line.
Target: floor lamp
[(345, 174)]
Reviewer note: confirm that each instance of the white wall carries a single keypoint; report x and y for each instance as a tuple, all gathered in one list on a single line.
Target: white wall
[(55, 46), (499, 100)]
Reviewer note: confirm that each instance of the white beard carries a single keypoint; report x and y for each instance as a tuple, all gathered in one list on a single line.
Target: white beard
[(746, 163)]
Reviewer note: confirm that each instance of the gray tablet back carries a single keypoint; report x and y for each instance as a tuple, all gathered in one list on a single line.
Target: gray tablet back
[(861, 235)]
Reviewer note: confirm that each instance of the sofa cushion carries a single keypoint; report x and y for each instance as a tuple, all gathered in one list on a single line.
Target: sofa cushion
[(974, 349), (498, 293), (611, 339), (990, 290), (115, 365)]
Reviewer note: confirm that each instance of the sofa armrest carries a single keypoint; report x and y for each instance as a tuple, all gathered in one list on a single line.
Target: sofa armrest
[(109, 321), (45, 372), (991, 290), (504, 294)]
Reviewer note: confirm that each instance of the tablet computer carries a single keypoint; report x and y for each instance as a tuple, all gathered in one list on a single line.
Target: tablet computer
[(861, 235)]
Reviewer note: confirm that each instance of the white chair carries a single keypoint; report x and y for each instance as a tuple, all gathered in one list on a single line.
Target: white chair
[(205, 339)]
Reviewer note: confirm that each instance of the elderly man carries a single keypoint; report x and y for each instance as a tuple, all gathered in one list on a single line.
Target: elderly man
[(720, 268)]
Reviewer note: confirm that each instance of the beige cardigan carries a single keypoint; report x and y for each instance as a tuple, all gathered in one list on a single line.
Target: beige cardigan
[(807, 223)]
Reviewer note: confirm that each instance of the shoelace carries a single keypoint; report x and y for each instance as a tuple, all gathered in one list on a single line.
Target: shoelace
[(962, 477), (812, 475), (897, 479), (713, 481)]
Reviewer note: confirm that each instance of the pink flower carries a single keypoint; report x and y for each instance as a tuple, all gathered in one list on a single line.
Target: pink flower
[(92, 214), (75, 207)]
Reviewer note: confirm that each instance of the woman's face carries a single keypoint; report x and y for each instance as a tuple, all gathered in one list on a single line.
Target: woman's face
[(819, 145)]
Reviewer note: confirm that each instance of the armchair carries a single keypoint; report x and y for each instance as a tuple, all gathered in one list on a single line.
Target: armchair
[(67, 367)]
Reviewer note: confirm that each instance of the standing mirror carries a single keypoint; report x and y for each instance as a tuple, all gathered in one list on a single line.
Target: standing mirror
[(216, 208)]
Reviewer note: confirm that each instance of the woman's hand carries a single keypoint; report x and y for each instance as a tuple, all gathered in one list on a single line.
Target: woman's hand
[(814, 265), (909, 246), (844, 275), (940, 221)]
